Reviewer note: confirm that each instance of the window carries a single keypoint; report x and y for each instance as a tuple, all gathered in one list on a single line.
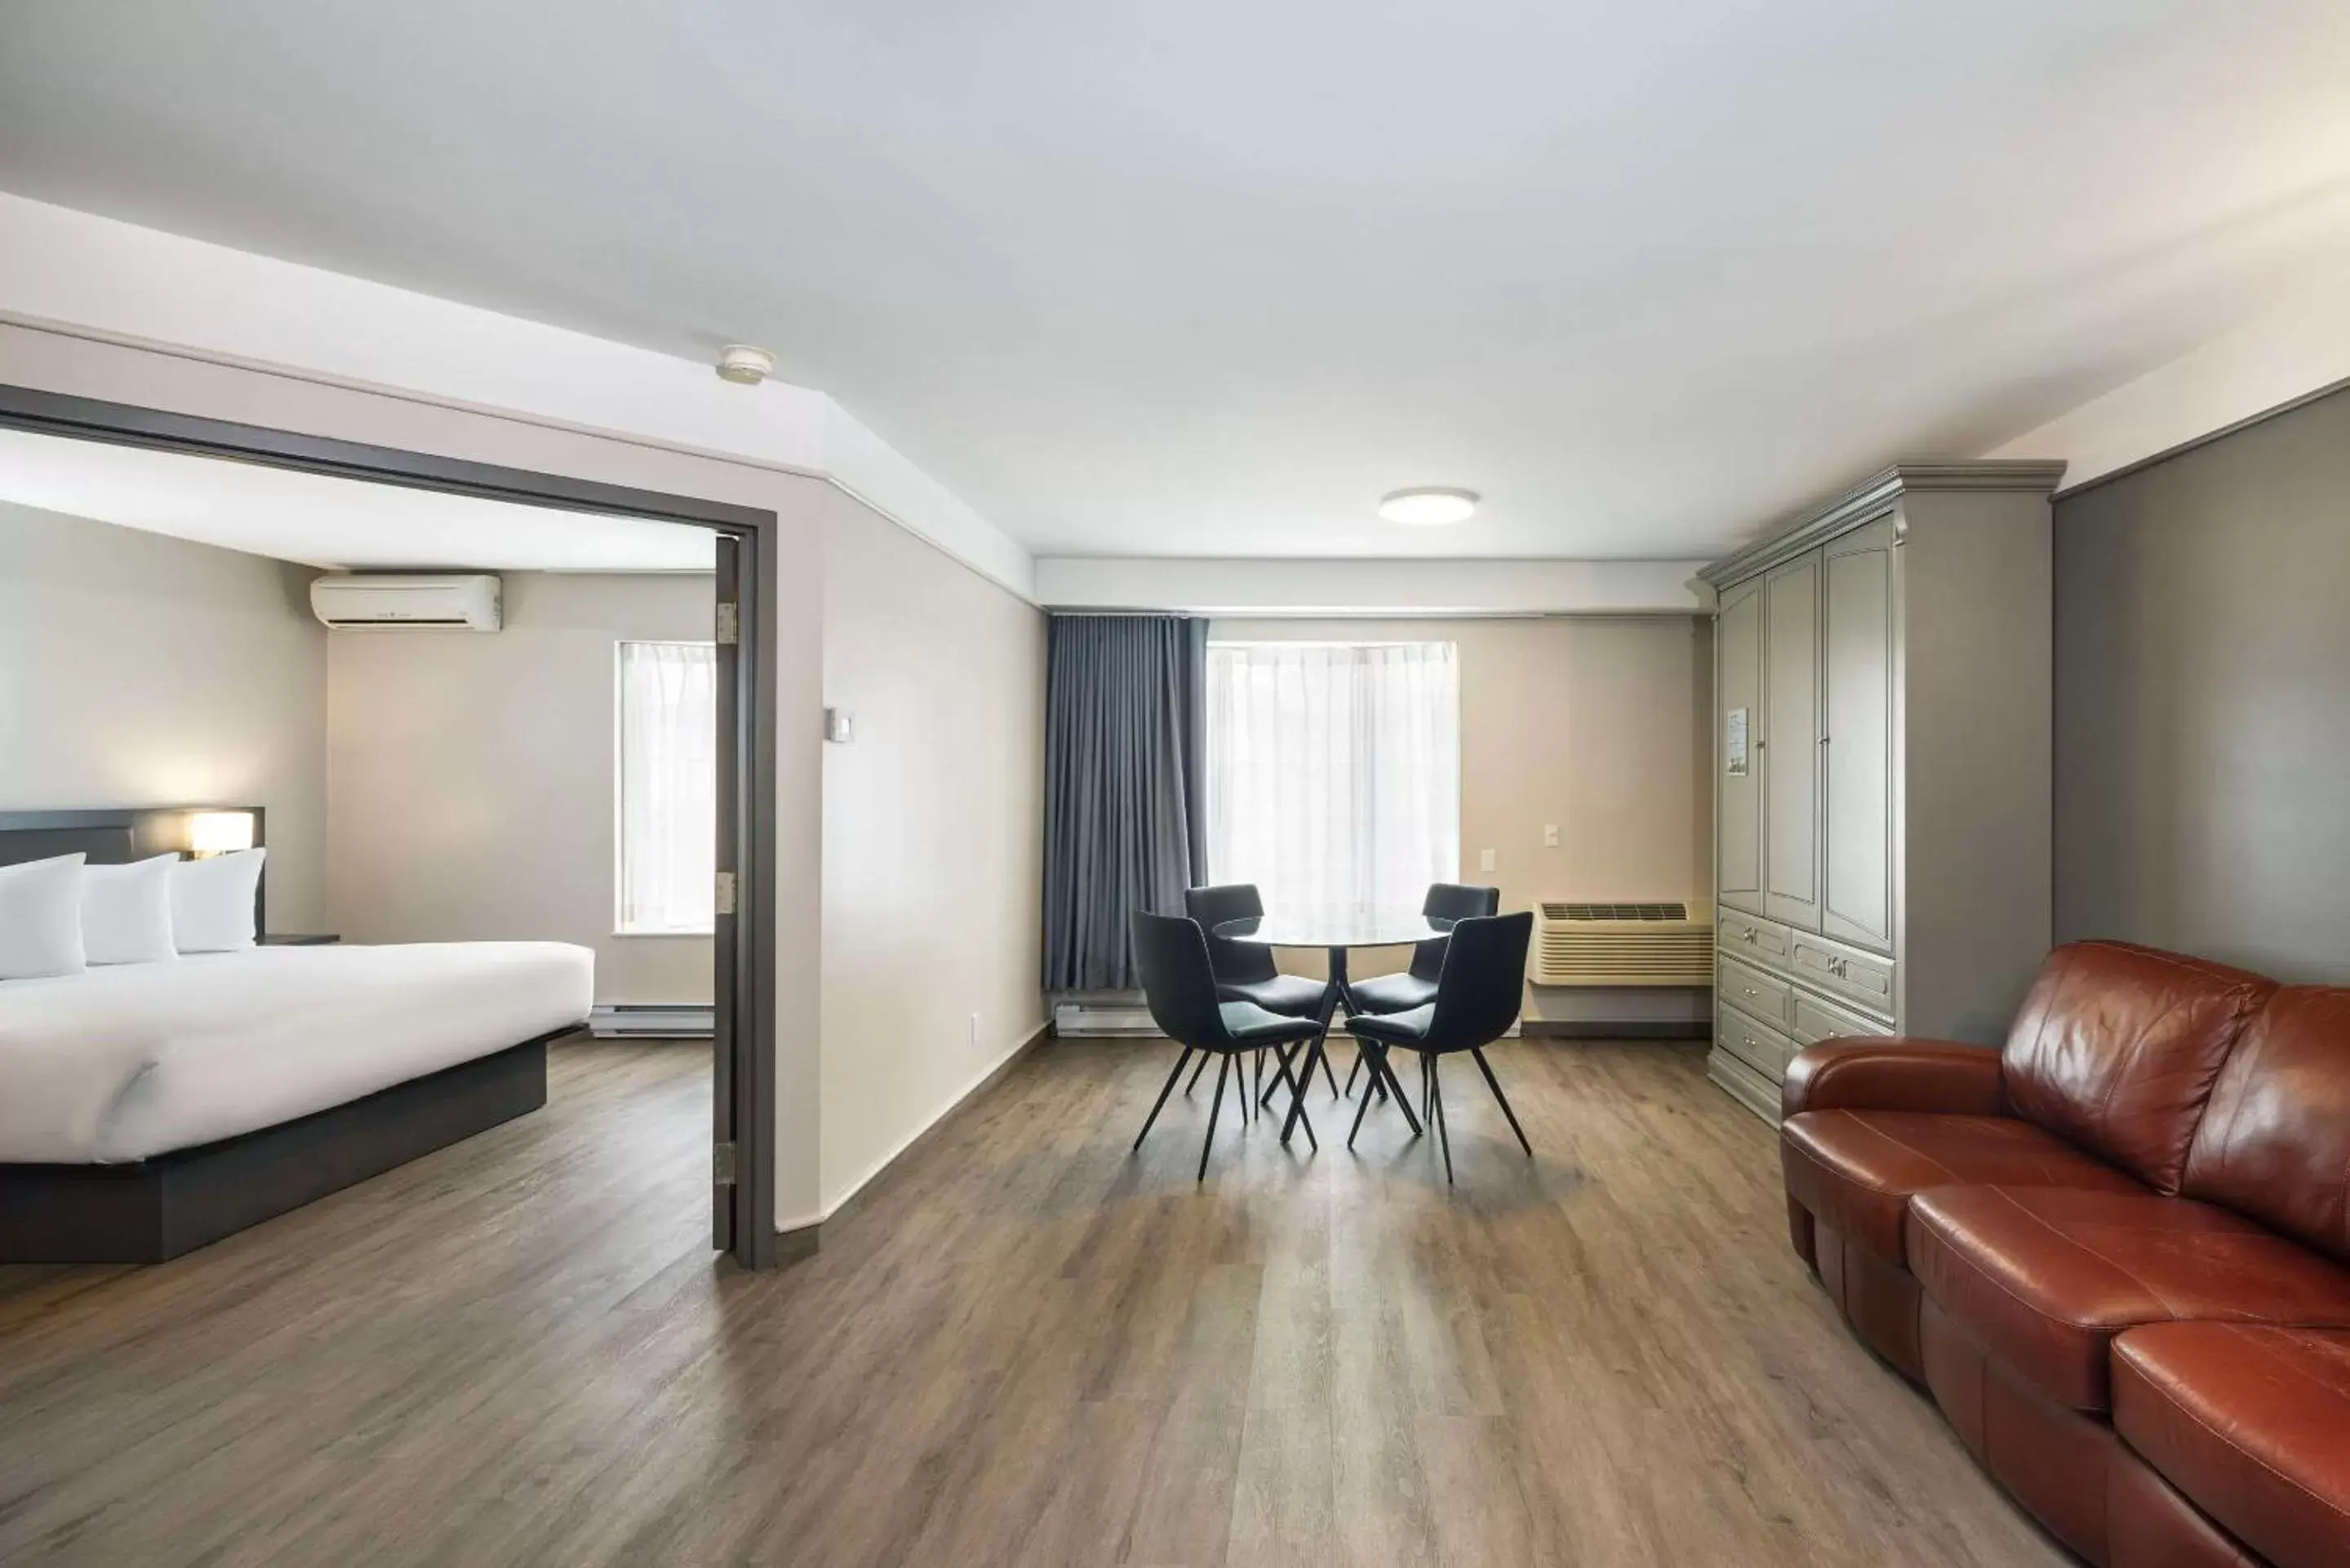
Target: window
[(667, 786), (1334, 771)]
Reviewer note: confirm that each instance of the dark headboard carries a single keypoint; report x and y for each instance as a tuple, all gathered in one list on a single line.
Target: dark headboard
[(112, 837)]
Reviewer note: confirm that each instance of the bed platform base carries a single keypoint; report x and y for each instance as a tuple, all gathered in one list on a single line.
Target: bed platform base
[(154, 1210)]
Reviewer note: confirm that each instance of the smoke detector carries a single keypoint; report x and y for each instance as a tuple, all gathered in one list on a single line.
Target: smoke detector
[(744, 365)]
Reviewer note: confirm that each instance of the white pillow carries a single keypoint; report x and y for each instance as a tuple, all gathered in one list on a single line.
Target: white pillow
[(40, 919), (211, 902), (126, 911)]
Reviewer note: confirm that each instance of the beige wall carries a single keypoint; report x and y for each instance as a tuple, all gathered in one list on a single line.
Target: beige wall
[(933, 838), (137, 669), (1597, 724), (2203, 700), (470, 776)]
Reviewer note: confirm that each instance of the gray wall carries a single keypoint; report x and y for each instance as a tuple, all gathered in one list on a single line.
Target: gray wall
[(138, 669), (470, 776), (2203, 700)]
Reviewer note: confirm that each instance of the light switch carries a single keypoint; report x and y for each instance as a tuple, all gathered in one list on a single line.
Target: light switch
[(1484, 861), (1550, 836)]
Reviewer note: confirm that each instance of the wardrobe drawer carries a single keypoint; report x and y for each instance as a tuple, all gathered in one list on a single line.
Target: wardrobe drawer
[(1765, 996), (1845, 972), (1753, 1042), (1758, 941), (1815, 1020)]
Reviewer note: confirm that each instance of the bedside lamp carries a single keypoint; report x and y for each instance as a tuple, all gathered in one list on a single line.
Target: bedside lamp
[(219, 832)]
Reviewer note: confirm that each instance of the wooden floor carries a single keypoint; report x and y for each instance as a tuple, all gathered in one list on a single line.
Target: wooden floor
[(1023, 1346)]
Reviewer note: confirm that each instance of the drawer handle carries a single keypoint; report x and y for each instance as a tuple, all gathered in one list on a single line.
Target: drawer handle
[(1746, 935), (1840, 969)]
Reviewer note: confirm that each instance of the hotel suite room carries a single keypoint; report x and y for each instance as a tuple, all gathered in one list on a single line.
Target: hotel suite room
[(1102, 855)]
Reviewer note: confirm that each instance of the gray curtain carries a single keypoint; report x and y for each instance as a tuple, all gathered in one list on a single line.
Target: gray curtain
[(1124, 809)]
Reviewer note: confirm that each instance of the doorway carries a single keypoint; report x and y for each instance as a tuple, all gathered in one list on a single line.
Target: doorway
[(745, 551)]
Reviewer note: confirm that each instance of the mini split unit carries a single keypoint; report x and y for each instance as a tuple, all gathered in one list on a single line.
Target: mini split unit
[(447, 600)]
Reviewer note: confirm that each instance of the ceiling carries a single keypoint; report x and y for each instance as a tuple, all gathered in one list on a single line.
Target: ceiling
[(1210, 279), (327, 522)]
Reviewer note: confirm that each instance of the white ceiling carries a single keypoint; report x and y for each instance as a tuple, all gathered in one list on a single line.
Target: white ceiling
[(325, 522), (1211, 277)]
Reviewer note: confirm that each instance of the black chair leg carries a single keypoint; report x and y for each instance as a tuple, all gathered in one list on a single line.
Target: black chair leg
[(1297, 1088), (1427, 1087), (1331, 1074), (1168, 1089), (1224, 1071), (1436, 1114), (1195, 1074), (1495, 1084), (1361, 1052), (1285, 1070), (1352, 1074), (1390, 1087)]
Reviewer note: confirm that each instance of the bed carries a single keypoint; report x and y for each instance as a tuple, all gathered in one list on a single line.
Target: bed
[(147, 1110)]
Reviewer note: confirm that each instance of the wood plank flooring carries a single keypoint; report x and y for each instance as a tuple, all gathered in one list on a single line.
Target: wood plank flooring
[(1023, 1346)]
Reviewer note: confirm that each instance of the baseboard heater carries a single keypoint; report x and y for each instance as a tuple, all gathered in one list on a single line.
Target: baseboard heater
[(652, 1021), (1116, 1015)]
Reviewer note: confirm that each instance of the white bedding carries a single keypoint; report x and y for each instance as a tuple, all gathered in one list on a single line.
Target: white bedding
[(123, 1062)]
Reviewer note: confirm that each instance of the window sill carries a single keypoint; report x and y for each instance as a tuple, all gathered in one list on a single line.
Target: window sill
[(698, 931)]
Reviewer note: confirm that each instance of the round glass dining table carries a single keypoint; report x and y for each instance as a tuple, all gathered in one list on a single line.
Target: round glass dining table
[(1335, 933)]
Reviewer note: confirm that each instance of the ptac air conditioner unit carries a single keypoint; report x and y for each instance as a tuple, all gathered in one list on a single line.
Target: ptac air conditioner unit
[(465, 603), (1623, 944)]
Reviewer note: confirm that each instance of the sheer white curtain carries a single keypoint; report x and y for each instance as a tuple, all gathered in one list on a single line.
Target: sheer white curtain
[(1334, 771), (669, 785)]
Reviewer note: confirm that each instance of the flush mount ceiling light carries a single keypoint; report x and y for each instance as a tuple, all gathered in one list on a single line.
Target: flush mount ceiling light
[(1430, 507), (744, 365)]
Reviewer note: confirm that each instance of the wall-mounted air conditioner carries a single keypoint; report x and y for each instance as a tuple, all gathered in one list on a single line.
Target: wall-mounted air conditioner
[(446, 600), (1623, 944)]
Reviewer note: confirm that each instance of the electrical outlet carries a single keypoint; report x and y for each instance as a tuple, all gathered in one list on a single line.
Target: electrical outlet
[(1484, 861), (1550, 836)]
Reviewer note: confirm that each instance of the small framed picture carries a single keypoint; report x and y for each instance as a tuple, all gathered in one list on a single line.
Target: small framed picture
[(1734, 743)]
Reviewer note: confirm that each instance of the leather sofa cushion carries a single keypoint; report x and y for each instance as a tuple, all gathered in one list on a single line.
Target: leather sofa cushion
[(1856, 1170), (2251, 1423), (2275, 1139), (2046, 1276), (2116, 1048)]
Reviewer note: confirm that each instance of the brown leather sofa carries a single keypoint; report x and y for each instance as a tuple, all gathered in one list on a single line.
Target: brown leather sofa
[(2114, 1250)]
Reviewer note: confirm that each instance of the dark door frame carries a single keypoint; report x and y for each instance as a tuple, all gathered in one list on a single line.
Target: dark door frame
[(744, 993)]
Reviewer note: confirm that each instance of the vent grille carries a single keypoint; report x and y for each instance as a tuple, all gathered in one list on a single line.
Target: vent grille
[(1628, 943), (1617, 911)]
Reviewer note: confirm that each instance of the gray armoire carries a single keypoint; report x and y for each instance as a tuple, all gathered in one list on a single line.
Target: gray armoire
[(1882, 696)]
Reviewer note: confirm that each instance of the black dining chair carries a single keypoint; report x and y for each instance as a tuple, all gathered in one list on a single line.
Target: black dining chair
[(1415, 987), (1180, 984), (1244, 971), (1477, 999)]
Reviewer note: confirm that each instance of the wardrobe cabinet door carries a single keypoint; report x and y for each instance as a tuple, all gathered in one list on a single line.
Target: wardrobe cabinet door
[(1856, 739), (1738, 763), (1791, 710)]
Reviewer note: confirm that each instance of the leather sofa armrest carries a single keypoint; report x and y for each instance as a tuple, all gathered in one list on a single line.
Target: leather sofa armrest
[(1893, 1074)]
